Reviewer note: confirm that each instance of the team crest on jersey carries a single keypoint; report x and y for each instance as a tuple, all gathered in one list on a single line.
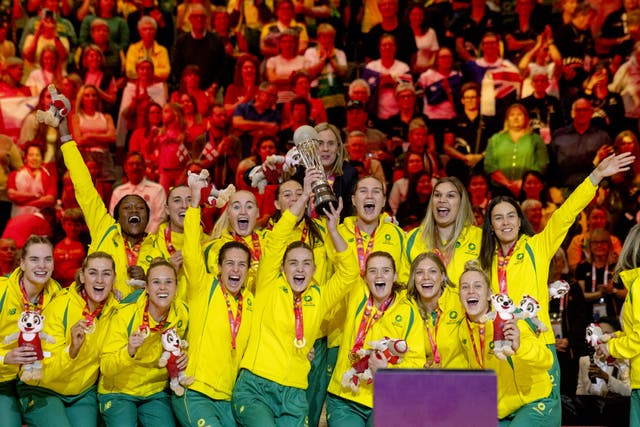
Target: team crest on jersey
[(387, 237), (12, 311), (453, 315), (179, 325), (398, 318)]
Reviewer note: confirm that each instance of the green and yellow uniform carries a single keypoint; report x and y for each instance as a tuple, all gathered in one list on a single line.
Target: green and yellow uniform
[(400, 320), (524, 385), (273, 366), (66, 395), (133, 388), (11, 308), (106, 234), (207, 402)]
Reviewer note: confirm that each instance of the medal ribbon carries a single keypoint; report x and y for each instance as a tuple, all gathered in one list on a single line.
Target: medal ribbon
[(297, 312), (503, 261), (132, 252), (167, 238), (366, 322), (234, 324), (145, 320), (86, 312), (26, 303), (305, 232), (362, 254), (432, 338), (479, 356), (605, 279), (256, 252)]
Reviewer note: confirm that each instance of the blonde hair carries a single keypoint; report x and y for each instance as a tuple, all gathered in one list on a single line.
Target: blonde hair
[(341, 155), (412, 291), (222, 224)]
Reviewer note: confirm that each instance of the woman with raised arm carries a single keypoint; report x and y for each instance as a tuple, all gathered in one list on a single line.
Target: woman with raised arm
[(518, 261), (288, 313)]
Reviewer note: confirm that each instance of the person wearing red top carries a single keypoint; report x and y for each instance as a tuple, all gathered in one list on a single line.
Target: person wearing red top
[(69, 253)]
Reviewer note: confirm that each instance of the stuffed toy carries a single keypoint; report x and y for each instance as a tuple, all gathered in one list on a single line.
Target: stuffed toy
[(503, 310), (273, 169), (558, 289), (528, 309), (59, 108), (594, 335), (30, 334), (392, 349), (173, 345), (221, 197)]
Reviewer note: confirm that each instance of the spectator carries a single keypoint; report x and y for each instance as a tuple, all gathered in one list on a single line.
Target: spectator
[(425, 38), (626, 82), (46, 35), (327, 66), (55, 24), (384, 74), (8, 256), (623, 51), (245, 83), (397, 125), (143, 137), (412, 211), (281, 67), (579, 247), (49, 72), (95, 73), (478, 189), (514, 150), (32, 187), (136, 183), (118, 29), (183, 15), (534, 188), (301, 85), (173, 155), (391, 25), (195, 126), (412, 164), (11, 79), (10, 160), (189, 49), (522, 35), (469, 28), (365, 162), (164, 22), (298, 111), (284, 11), (544, 110), (544, 58), (69, 253), (575, 147), (7, 48), (357, 120), (190, 85), (615, 29), (252, 118), (607, 106), (148, 48), (532, 210), (114, 58), (422, 143)]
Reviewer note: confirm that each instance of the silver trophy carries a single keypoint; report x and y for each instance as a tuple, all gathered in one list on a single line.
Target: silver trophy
[(306, 140)]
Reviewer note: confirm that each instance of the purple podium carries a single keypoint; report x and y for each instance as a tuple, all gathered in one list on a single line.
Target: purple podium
[(435, 398)]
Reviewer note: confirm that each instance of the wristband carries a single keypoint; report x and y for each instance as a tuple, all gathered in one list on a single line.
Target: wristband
[(66, 138)]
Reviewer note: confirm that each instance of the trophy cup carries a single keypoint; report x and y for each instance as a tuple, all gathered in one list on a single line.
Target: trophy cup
[(306, 140)]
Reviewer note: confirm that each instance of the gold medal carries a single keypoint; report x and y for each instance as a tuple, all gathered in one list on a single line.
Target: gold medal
[(299, 343)]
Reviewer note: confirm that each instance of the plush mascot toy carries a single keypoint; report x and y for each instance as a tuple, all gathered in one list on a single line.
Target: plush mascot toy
[(30, 334), (212, 194), (273, 169), (504, 310), (173, 345), (528, 309), (595, 336), (558, 289), (59, 108), (392, 349)]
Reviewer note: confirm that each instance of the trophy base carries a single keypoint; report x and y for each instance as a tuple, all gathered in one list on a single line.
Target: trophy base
[(324, 198)]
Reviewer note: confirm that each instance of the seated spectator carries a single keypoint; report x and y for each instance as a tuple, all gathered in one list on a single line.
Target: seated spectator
[(521, 35), (113, 57), (33, 130), (143, 137), (170, 147), (10, 160), (284, 11), (603, 294), (506, 77), (301, 85), (256, 117), (48, 28), (234, 41), (579, 248), (469, 26), (245, 83), (608, 107), (534, 188), (49, 72), (11, 78), (411, 212), (298, 114), (623, 51), (95, 134), (626, 82), (136, 183), (8, 256), (195, 126), (425, 38), (543, 59), (358, 120), (7, 48), (513, 151), (327, 66), (221, 149), (478, 189), (397, 125), (280, 68), (118, 28), (69, 253), (422, 143), (163, 18), (615, 28), (384, 75), (190, 85), (441, 87), (364, 161), (532, 210), (21, 227), (359, 90), (183, 13), (95, 73), (411, 165), (391, 24), (148, 48), (135, 97), (32, 187), (544, 110)]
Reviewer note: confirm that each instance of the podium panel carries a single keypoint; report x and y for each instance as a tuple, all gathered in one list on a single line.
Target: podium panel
[(435, 398)]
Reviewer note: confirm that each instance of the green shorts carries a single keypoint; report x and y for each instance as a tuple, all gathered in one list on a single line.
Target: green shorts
[(346, 413), (318, 381), (540, 413), (259, 402), (41, 407), (120, 410), (634, 418), (9, 406), (194, 409)]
